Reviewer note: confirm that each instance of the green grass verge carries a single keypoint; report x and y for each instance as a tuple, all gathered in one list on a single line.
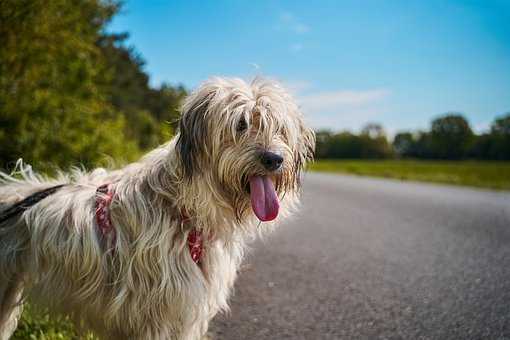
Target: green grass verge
[(492, 175)]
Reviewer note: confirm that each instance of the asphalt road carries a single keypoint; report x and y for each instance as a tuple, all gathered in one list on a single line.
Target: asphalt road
[(379, 259)]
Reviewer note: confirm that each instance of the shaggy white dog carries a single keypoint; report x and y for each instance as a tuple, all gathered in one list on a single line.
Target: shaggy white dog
[(151, 251)]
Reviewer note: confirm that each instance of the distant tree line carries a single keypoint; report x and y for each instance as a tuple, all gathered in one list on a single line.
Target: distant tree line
[(72, 93), (450, 137)]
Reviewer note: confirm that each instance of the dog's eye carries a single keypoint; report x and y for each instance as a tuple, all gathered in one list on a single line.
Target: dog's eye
[(242, 125)]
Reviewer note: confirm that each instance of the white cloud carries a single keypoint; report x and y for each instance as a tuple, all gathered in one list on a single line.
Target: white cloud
[(335, 99), (341, 109), (344, 109)]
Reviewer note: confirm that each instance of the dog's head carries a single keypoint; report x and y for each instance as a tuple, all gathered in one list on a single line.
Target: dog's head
[(249, 141)]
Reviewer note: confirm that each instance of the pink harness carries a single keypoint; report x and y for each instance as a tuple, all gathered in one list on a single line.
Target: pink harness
[(104, 197)]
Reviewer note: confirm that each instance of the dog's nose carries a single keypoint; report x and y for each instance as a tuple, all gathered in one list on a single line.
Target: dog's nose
[(271, 161)]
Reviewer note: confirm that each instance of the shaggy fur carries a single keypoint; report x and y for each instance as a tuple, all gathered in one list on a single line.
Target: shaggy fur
[(146, 286)]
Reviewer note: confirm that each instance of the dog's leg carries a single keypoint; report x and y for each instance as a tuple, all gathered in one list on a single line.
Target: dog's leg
[(11, 306)]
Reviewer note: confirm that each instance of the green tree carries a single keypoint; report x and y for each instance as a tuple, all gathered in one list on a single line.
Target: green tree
[(323, 143), (373, 130), (374, 143), (450, 136), (500, 138), (403, 144), (53, 103), (482, 147), (501, 125), (348, 145), (71, 93), (150, 111)]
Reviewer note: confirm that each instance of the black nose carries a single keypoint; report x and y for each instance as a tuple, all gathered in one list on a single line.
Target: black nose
[(271, 161)]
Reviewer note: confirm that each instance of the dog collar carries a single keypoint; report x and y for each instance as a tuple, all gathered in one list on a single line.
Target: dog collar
[(104, 197)]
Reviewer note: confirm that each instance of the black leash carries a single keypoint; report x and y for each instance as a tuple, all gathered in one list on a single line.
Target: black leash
[(26, 203)]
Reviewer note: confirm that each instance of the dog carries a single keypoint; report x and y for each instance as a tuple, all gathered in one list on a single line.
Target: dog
[(152, 250)]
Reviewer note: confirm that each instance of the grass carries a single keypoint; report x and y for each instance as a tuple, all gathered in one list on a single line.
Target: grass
[(39, 325), (482, 174)]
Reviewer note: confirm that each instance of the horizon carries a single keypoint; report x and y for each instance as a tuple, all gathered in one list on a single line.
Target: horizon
[(397, 64)]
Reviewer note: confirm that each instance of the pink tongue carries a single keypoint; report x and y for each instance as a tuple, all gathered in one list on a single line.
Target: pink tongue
[(264, 201)]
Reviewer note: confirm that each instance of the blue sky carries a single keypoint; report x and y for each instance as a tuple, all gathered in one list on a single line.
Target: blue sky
[(399, 63)]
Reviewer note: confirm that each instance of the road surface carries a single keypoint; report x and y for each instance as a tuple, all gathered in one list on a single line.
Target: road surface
[(379, 259)]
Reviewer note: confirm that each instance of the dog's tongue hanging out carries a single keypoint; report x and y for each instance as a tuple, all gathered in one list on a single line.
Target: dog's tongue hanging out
[(264, 200)]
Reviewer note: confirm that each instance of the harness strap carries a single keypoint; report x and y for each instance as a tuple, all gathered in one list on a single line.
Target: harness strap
[(195, 240), (104, 197), (28, 202), (105, 194)]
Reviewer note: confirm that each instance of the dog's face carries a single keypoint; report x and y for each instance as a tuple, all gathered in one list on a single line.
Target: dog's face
[(248, 141)]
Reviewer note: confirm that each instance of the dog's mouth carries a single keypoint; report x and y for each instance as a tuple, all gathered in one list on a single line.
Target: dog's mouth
[(264, 200)]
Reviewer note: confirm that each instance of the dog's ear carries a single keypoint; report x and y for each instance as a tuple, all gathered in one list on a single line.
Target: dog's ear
[(305, 150), (307, 142), (191, 142)]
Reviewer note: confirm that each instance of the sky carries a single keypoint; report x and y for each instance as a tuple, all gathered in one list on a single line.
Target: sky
[(398, 63)]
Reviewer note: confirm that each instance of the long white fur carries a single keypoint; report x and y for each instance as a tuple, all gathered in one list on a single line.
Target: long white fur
[(147, 286)]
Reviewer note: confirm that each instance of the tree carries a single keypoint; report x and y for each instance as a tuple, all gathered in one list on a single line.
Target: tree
[(403, 144), (68, 90), (150, 111), (501, 125), (348, 145), (482, 147), (53, 103), (323, 143), (450, 136), (374, 143), (500, 138), (373, 130)]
